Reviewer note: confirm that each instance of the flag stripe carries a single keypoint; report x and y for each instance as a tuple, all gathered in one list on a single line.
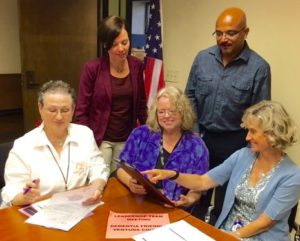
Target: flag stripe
[(148, 74), (154, 79)]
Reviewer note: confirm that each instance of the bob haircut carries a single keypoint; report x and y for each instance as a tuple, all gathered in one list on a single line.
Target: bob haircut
[(56, 86), (179, 102), (275, 122), (109, 29)]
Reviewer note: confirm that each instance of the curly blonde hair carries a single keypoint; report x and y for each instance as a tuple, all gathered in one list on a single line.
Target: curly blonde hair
[(275, 122), (179, 102)]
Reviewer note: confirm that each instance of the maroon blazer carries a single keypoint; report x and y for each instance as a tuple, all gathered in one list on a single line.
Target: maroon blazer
[(94, 95)]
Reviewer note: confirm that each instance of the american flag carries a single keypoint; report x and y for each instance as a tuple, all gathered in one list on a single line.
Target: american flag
[(154, 78)]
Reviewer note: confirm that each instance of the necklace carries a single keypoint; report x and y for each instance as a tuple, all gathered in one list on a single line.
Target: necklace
[(161, 151), (263, 173), (161, 161), (60, 143), (67, 176), (117, 68)]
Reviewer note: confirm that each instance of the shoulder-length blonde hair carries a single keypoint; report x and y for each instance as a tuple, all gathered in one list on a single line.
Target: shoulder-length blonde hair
[(179, 102), (275, 122)]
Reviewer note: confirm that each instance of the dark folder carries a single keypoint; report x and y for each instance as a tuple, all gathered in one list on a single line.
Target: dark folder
[(142, 180)]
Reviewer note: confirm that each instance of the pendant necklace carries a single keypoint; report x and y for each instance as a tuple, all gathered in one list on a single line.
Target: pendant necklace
[(67, 176), (118, 69), (161, 151)]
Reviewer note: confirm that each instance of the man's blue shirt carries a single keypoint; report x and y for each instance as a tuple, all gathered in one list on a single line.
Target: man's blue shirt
[(221, 94)]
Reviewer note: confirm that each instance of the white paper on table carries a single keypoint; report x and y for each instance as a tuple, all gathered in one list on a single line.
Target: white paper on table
[(40, 205), (33, 208), (178, 231), (73, 196), (62, 217), (64, 209)]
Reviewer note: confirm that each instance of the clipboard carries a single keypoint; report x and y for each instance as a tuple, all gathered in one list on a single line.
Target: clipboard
[(142, 180)]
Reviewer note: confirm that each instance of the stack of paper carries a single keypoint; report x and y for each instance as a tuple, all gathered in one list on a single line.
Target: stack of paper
[(178, 231), (64, 210)]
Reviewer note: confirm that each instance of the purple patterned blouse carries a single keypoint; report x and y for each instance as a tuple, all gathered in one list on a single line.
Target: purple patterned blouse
[(142, 149)]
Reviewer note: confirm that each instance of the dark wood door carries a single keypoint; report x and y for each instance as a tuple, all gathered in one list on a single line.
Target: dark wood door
[(57, 37)]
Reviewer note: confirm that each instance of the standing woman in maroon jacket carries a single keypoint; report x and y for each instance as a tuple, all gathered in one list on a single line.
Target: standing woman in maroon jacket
[(111, 97)]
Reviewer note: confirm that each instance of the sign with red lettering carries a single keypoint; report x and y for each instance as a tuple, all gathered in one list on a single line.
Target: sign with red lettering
[(126, 225)]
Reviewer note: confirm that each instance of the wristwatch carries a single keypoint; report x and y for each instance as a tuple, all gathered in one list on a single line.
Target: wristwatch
[(175, 176)]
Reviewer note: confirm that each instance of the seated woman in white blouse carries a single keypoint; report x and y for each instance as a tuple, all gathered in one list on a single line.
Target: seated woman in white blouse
[(56, 156)]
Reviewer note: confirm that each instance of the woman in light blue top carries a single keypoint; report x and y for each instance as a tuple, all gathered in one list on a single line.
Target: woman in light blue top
[(264, 184)]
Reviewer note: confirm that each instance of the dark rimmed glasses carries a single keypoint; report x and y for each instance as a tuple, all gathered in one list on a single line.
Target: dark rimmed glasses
[(228, 33)]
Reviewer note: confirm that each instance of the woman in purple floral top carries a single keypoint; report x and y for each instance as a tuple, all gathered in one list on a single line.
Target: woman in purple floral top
[(166, 142)]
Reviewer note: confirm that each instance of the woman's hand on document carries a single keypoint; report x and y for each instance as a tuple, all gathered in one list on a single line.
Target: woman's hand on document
[(99, 185), (94, 199)]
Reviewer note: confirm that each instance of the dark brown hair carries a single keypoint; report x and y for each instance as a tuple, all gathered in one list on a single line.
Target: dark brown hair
[(109, 29)]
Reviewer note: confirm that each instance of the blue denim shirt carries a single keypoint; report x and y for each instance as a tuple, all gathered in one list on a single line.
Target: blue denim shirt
[(142, 149), (220, 94)]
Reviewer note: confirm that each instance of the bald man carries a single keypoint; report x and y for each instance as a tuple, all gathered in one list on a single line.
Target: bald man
[(224, 80)]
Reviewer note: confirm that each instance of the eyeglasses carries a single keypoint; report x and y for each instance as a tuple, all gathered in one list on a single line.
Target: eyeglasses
[(229, 33), (162, 113)]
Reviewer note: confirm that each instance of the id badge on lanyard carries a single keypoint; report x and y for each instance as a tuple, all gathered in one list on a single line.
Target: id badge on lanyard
[(237, 224)]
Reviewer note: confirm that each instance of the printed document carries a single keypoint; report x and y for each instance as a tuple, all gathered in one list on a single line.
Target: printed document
[(64, 209)]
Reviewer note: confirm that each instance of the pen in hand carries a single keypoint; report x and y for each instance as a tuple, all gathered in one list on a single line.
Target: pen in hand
[(28, 188)]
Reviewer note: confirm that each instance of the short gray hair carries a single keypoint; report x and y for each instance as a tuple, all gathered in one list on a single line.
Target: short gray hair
[(56, 86)]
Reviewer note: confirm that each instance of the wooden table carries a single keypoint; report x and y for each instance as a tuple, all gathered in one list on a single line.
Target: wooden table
[(116, 198)]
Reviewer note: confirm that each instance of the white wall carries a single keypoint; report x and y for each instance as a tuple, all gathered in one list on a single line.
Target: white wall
[(9, 39), (274, 34)]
